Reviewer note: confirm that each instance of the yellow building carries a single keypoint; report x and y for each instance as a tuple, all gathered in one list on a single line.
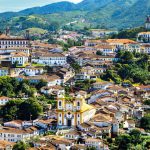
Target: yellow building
[(73, 110)]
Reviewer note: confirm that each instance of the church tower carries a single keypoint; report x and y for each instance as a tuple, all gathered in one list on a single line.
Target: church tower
[(147, 23)]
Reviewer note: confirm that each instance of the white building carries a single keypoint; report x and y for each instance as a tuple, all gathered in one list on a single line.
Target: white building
[(143, 37), (4, 100), (29, 71), (102, 33), (145, 48), (7, 41), (50, 59), (4, 71), (97, 143), (52, 89), (129, 124), (101, 85), (15, 135), (15, 49), (20, 57)]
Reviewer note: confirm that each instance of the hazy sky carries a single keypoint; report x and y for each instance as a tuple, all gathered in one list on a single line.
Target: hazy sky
[(15, 5)]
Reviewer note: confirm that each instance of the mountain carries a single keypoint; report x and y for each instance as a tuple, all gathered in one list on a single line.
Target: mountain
[(92, 4), (52, 8), (90, 13)]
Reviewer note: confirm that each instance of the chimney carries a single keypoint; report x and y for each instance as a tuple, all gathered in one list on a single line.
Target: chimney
[(27, 36), (7, 31)]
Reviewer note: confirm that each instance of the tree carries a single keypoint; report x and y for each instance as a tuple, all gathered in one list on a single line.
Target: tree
[(123, 141), (127, 57), (20, 146), (15, 64), (135, 136), (11, 110), (30, 109), (120, 54), (99, 53), (40, 84), (147, 102), (76, 67), (145, 122)]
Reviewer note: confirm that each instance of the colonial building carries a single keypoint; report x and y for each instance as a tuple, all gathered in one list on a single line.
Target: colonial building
[(73, 110), (144, 37), (7, 41), (15, 135), (50, 59), (20, 58)]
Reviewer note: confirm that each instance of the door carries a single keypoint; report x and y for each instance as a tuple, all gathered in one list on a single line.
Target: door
[(69, 123)]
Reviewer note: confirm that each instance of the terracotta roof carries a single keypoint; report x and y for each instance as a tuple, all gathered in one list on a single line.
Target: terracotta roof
[(40, 77), (19, 54), (131, 121), (96, 41), (123, 41), (48, 121), (144, 33), (56, 87), (101, 118), (85, 125), (73, 132), (15, 122), (61, 141), (4, 97), (4, 144), (51, 54), (15, 48), (93, 140), (6, 37), (17, 131), (104, 47)]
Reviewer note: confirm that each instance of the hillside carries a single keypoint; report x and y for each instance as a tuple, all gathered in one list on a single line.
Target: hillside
[(115, 14)]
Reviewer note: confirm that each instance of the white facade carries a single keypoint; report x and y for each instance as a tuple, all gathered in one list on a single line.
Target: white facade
[(18, 49), (51, 59), (11, 43), (4, 71), (19, 57), (144, 37), (97, 143), (4, 100), (15, 135), (129, 124), (29, 71)]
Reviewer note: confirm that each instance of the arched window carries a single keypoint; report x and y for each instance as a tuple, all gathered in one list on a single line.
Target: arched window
[(59, 103), (78, 103)]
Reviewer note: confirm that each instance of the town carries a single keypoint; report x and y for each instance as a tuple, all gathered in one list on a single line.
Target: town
[(90, 93)]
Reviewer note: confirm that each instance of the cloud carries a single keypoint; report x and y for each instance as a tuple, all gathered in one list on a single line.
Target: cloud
[(16, 5)]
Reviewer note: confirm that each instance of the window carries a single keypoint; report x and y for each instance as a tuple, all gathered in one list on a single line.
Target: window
[(59, 103), (78, 103)]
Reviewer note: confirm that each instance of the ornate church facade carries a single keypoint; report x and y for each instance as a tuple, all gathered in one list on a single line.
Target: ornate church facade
[(73, 110)]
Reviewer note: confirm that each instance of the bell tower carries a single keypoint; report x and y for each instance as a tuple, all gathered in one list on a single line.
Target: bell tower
[(147, 23)]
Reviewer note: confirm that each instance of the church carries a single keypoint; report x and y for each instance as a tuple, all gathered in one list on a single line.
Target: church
[(73, 110)]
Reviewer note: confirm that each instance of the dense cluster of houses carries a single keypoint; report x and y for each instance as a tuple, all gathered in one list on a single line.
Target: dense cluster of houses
[(84, 118)]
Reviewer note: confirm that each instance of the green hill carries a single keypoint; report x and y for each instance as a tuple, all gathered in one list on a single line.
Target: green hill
[(92, 13)]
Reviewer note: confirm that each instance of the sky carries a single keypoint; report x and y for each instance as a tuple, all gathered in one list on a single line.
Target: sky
[(16, 5)]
